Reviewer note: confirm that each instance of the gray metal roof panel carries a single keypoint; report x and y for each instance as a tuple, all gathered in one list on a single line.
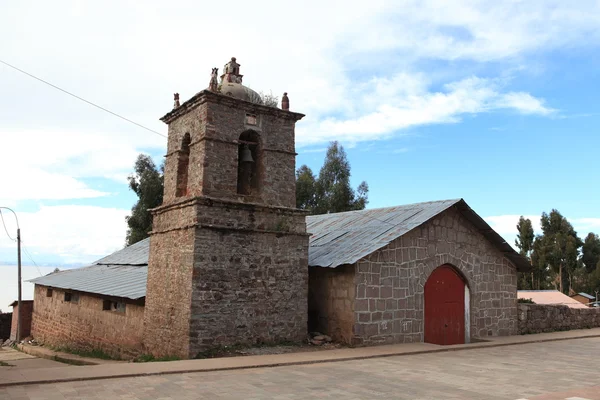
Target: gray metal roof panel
[(136, 254), (337, 239), (344, 238), (587, 296), (111, 280)]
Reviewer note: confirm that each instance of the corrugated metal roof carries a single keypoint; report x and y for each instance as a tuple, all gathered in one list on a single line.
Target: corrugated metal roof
[(126, 281), (136, 254), (587, 296), (337, 239), (121, 274), (344, 238), (549, 297)]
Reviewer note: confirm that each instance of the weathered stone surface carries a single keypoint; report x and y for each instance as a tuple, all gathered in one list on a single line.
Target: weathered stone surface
[(537, 318), (85, 325), (389, 285), (227, 268)]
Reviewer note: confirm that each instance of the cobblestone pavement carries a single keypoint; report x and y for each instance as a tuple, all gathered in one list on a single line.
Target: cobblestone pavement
[(538, 371)]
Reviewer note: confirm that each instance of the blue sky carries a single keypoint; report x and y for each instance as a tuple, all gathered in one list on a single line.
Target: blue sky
[(494, 102)]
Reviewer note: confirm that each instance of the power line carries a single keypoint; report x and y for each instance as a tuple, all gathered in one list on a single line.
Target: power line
[(31, 258), (81, 98), (6, 230)]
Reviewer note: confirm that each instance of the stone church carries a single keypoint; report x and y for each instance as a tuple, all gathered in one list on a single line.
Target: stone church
[(231, 260)]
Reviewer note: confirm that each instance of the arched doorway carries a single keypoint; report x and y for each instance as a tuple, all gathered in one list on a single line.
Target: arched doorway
[(445, 310)]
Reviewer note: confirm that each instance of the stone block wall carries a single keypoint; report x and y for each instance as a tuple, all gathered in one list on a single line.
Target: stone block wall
[(215, 123), (169, 285), (222, 272), (249, 287), (5, 322), (331, 301), (538, 318), (85, 325), (27, 306), (390, 282)]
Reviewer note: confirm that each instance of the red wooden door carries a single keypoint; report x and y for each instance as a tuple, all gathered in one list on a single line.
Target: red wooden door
[(445, 307)]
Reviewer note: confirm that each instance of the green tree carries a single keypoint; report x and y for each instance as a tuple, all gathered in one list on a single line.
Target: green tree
[(590, 252), (560, 247), (148, 183), (524, 242), (305, 188), (331, 191), (539, 264)]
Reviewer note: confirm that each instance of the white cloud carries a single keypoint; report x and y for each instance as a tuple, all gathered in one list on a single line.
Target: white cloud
[(354, 68), (51, 164), (524, 103), (79, 234), (405, 101)]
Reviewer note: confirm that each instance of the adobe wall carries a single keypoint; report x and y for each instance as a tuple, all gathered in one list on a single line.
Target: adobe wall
[(5, 322), (537, 318), (390, 282), (331, 297), (85, 325), (27, 306)]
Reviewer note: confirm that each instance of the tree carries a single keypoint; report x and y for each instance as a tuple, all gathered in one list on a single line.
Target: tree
[(147, 183), (590, 252), (331, 191), (539, 264), (525, 236), (524, 242), (559, 248), (305, 188)]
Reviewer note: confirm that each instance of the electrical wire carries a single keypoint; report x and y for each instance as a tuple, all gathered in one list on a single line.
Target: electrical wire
[(6, 230), (31, 259), (81, 98)]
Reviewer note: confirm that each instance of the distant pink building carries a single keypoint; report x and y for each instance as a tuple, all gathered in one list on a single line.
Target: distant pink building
[(549, 297)]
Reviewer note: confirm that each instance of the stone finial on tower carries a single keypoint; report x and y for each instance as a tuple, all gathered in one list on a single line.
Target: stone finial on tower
[(285, 102), (213, 85), (231, 72), (176, 98)]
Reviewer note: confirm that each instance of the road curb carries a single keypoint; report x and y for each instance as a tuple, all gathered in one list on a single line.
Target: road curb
[(475, 346)]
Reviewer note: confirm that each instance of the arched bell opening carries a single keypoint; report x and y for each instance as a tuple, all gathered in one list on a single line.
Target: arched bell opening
[(248, 182), (183, 161)]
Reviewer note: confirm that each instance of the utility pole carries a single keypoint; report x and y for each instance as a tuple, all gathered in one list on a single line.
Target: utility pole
[(19, 310)]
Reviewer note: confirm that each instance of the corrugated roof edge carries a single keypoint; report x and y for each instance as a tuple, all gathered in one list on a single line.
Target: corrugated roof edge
[(520, 262)]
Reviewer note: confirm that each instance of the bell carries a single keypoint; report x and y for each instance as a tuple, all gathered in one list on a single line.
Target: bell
[(247, 155)]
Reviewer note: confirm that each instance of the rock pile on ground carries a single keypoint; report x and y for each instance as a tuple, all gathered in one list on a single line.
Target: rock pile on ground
[(318, 339)]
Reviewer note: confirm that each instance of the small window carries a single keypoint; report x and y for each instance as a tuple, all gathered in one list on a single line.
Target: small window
[(49, 292), (72, 297), (115, 306)]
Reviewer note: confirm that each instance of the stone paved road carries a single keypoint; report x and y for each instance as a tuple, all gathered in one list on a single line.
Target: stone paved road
[(539, 371)]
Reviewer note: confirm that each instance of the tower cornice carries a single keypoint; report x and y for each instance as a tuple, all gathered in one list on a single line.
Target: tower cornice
[(207, 96)]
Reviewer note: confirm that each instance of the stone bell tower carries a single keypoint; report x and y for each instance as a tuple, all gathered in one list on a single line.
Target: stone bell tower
[(228, 250)]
